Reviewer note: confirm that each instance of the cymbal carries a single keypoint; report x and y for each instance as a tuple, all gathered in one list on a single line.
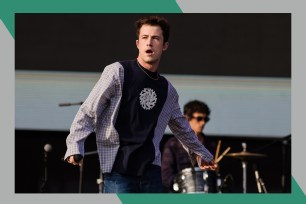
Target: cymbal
[(245, 155)]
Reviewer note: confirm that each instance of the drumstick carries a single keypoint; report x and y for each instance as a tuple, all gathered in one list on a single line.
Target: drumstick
[(222, 155), (218, 149)]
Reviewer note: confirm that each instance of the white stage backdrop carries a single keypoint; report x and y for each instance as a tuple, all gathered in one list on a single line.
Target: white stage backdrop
[(243, 106)]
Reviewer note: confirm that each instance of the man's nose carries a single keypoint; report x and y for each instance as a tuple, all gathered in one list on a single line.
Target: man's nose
[(149, 42)]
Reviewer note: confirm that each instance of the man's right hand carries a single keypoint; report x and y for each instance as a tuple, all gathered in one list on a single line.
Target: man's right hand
[(76, 159)]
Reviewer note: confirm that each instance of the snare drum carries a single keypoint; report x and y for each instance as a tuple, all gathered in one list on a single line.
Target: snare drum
[(192, 180)]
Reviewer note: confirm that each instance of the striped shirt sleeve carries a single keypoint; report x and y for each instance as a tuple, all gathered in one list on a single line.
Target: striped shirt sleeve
[(85, 120), (183, 132)]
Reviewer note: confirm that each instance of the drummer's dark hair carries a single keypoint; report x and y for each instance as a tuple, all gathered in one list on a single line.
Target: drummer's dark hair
[(196, 106)]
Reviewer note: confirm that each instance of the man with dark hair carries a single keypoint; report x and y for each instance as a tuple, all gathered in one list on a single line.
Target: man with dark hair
[(129, 109), (197, 114), (175, 158)]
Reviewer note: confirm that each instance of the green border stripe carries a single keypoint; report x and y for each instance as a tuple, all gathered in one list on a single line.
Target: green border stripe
[(9, 7), (297, 197)]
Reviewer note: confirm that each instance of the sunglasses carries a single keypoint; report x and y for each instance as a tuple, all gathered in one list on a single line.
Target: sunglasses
[(200, 118)]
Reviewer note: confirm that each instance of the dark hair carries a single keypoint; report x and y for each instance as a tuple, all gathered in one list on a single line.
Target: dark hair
[(196, 106), (154, 21)]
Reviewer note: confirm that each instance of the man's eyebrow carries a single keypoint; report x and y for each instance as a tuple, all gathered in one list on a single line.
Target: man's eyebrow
[(156, 37), (152, 35)]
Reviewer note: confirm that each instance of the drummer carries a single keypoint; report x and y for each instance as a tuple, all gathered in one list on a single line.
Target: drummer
[(174, 157)]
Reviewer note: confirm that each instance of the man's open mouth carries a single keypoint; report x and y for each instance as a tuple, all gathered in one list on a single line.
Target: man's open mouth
[(149, 51)]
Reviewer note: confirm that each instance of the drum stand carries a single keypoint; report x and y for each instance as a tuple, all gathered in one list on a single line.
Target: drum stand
[(244, 176), (218, 182), (244, 156), (260, 184), (244, 171), (263, 185)]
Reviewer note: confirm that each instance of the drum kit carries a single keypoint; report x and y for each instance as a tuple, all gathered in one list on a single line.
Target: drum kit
[(195, 180)]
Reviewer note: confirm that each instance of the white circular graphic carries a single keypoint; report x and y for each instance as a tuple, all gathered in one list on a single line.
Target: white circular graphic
[(147, 98)]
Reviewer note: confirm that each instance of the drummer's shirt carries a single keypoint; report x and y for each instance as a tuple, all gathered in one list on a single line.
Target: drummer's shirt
[(142, 101)]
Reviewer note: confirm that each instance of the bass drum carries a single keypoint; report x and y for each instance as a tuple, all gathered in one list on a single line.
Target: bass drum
[(195, 180)]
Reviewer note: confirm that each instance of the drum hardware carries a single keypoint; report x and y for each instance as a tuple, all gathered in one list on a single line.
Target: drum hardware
[(227, 182), (219, 183), (259, 182), (285, 142), (263, 185), (245, 156), (205, 176), (195, 180)]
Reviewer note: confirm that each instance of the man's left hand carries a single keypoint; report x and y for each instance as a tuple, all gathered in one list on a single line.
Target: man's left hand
[(206, 165)]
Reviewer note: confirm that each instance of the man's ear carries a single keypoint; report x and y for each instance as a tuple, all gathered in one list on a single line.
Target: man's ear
[(137, 44), (165, 46)]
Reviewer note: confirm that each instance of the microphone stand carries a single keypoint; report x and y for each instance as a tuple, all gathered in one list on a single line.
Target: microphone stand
[(100, 181), (45, 175), (82, 164), (81, 173), (81, 177), (71, 104)]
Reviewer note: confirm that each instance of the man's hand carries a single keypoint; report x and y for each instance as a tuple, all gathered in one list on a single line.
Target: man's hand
[(75, 160), (206, 165)]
